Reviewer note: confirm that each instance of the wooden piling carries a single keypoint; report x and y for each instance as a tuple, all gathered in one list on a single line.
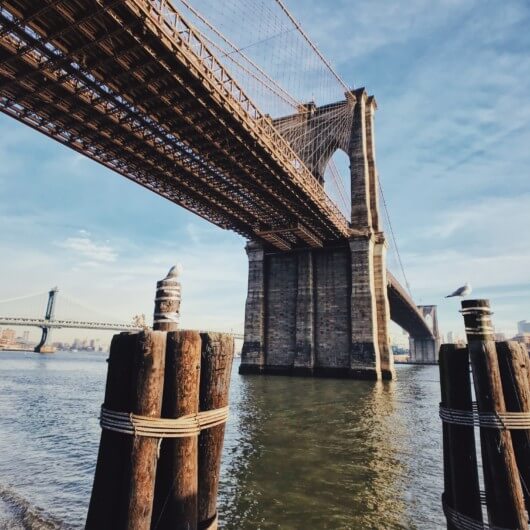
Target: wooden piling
[(513, 365), (216, 367), (176, 489), (146, 400), (107, 509), (462, 491), (504, 496)]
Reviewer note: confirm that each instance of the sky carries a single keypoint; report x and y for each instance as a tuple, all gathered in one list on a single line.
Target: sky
[(452, 82)]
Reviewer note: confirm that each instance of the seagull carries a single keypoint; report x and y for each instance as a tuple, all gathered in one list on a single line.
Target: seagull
[(461, 291)]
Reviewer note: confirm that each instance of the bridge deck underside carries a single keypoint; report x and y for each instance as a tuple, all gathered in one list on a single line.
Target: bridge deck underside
[(108, 80)]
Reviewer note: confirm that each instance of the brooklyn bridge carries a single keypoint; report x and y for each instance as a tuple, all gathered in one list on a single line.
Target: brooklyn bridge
[(137, 87)]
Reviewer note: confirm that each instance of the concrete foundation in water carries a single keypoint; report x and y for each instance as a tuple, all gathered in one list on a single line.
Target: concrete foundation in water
[(318, 312)]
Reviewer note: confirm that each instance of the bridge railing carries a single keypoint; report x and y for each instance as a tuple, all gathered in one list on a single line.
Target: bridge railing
[(163, 15)]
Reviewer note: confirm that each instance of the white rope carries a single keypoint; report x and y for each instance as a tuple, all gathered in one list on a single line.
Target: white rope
[(136, 425), (490, 420)]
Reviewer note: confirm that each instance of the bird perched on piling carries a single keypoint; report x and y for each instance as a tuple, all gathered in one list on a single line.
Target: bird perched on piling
[(461, 291)]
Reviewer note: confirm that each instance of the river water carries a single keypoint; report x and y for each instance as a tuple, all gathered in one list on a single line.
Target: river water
[(299, 453)]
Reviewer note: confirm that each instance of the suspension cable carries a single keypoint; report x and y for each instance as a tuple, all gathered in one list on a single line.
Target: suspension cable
[(394, 238), (34, 295), (313, 46), (277, 88)]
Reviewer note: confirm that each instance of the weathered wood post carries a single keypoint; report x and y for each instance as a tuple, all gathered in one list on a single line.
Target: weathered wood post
[(504, 496), (177, 472), (513, 364), (462, 492), (122, 495), (216, 367), (148, 473), (107, 507), (147, 389), (177, 482)]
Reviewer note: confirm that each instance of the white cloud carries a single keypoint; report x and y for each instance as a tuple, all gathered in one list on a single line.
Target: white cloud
[(489, 223), (348, 30), (84, 247)]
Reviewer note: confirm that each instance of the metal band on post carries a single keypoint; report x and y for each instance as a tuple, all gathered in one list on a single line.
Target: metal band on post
[(167, 301), (477, 319)]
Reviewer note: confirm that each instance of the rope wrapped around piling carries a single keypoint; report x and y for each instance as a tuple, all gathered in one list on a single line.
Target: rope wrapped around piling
[(135, 425), (464, 522), (491, 420)]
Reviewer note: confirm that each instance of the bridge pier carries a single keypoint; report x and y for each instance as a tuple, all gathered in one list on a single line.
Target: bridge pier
[(365, 361), (426, 349), (423, 350), (325, 311), (304, 355), (315, 312), (253, 351), (383, 308)]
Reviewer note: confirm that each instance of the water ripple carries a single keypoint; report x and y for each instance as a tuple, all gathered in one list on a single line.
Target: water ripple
[(299, 453)]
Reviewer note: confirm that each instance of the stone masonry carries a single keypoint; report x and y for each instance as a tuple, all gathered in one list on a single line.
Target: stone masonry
[(325, 311)]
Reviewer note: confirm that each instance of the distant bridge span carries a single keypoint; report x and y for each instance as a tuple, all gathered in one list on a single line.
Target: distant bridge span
[(404, 312), (72, 324)]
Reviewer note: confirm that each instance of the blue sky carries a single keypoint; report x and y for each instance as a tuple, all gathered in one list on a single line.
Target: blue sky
[(452, 81)]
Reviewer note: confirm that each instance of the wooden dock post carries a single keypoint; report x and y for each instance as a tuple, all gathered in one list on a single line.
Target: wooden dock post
[(216, 367), (504, 496), (146, 400), (107, 509), (177, 471), (513, 364), (461, 491), (122, 495), (148, 472)]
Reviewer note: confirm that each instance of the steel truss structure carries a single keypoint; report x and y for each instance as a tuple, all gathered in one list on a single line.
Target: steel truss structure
[(130, 84)]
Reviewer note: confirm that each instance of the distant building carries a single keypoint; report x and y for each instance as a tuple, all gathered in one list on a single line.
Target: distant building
[(7, 339), (450, 337), (523, 327), (500, 337), (8, 335)]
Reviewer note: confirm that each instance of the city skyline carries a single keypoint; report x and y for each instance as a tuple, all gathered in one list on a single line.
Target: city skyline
[(453, 167)]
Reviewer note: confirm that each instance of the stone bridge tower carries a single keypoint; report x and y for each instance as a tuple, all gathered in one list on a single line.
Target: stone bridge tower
[(325, 311)]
